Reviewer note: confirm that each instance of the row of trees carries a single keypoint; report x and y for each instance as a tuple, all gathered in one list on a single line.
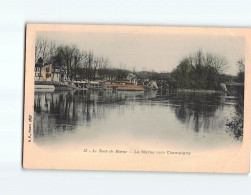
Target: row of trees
[(78, 63), (196, 71)]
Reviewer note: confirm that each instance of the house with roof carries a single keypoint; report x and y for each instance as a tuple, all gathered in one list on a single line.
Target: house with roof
[(49, 72), (132, 78)]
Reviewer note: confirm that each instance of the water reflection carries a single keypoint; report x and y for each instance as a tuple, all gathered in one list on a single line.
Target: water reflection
[(58, 113), (62, 111), (197, 110)]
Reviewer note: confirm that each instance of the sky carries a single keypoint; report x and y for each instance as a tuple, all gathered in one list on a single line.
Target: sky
[(158, 52)]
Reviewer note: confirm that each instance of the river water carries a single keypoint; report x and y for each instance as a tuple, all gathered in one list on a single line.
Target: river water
[(186, 119)]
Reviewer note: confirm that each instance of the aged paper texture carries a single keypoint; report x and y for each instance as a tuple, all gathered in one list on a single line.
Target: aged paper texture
[(137, 98)]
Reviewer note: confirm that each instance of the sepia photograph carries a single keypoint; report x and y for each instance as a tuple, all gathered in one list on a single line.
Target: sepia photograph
[(148, 95), (125, 97)]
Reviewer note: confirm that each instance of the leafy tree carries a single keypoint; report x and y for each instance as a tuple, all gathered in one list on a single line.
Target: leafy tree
[(241, 73), (199, 71)]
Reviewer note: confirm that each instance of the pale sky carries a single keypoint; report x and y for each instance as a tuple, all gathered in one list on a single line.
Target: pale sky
[(159, 52)]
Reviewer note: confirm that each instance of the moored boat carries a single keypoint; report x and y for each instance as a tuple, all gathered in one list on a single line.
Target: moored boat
[(44, 88)]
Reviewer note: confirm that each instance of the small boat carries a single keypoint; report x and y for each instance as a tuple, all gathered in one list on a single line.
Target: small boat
[(44, 88), (130, 88), (124, 87)]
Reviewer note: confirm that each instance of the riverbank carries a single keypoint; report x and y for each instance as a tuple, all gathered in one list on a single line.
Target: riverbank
[(114, 86), (52, 84), (198, 90)]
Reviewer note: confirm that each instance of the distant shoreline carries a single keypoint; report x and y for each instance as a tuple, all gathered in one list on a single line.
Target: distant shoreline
[(198, 90)]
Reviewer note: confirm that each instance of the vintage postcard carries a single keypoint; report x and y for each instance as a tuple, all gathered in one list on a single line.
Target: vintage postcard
[(137, 98)]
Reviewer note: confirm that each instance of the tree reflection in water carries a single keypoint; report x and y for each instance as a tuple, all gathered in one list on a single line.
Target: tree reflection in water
[(63, 111), (197, 109)]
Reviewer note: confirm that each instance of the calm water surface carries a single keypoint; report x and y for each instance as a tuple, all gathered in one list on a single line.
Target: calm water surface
[(184, 118)]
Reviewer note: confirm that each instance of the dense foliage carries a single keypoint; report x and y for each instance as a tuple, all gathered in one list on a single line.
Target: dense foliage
[(201, 71)]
